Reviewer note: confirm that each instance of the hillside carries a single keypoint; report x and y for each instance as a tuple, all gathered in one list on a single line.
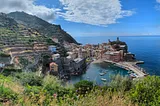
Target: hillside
[(13, 34), (43, 27), (21, 33), (7, 22)]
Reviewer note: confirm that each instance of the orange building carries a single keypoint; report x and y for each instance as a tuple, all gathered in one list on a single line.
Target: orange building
[(53, 67)]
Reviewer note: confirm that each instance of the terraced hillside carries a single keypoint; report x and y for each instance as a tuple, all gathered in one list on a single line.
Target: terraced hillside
[(24, 38), (43, 27)]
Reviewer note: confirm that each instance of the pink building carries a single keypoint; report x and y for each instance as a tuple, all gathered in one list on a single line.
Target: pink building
[(113, 56)]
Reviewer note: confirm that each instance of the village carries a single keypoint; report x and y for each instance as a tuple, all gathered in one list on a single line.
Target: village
[(77, 59)]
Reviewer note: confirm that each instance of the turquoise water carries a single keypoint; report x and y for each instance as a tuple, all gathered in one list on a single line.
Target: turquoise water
[(146, 48), (92, 73)]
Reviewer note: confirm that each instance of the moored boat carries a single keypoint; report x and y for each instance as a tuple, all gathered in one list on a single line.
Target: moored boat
[(103, 79), (103, 73), (132, 75)]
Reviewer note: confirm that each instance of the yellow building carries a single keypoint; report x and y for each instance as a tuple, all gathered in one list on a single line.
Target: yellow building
[(53, 67)]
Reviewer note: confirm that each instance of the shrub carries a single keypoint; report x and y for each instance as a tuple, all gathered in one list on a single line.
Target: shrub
[(120, 83), (83, 87), (32, 90), (7, 94), (29, 79), (10, 70), (4, 54), (147, 92)]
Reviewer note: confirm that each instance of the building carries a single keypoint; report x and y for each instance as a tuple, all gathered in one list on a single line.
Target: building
[(55, 40), (113, 56), (53, 49), (89, 53), (118, 45), (79, 66), (72, 55), (84, 53), (53, 67), (80, 53), (55, 57), (129, 57), (4, 61), (97, 54), (2, 65), (67, 65)]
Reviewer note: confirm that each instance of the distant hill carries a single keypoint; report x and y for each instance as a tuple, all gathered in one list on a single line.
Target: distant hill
[(43, 27)]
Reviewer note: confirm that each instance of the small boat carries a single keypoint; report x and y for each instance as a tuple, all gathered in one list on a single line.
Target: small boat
[(103, 73), (135, 75), (87, 77), (132, 75), (103, 79)]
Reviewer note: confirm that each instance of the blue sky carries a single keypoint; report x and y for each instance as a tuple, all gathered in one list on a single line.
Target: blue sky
[(94, 17)]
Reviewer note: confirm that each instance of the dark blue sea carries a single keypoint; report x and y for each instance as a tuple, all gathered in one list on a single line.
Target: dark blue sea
[(146, 48)]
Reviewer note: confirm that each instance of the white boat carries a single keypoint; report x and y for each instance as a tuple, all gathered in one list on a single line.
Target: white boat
[(132, 75), (103, 79), (103, 73)]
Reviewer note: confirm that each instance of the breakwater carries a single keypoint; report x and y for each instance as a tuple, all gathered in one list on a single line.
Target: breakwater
[(130, 66)]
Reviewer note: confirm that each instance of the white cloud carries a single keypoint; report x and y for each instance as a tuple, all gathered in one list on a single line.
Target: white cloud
[(158, 1), (95, 12), (157, 7), (27, 6)]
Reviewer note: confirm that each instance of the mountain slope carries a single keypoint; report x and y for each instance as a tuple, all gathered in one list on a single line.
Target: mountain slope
[(7, 22), (12, 34), (43, 27)]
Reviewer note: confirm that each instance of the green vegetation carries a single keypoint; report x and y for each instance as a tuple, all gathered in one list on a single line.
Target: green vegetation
[(31, 89), (10, 70), (146, 92), (83, 87), (24, 62), (6, 94), (4, 54)]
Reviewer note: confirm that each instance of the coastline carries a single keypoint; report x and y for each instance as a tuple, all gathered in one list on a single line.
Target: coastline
[(129, 66)]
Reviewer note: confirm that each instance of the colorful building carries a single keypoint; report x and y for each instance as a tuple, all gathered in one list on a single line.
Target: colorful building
[(53, 67), (53, 49)]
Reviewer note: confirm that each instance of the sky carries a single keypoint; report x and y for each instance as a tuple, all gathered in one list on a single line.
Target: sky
[(94, 17)]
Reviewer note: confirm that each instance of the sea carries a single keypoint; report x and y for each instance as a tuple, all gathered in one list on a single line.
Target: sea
[(146, 48)]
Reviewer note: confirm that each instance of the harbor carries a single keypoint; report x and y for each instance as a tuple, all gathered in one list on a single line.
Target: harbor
[(131, 66), (100, 72)]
